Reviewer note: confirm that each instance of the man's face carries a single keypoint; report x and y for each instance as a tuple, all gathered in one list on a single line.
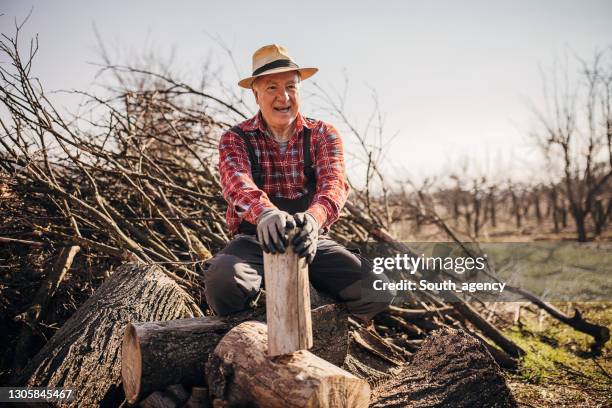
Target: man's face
[(278, 97)]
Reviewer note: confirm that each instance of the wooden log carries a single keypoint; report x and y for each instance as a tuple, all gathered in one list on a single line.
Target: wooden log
[(330, 333), (451, 369), (85, 353), (318, 299), (287, 302), (157, 354), (240, 372), (485, 327)]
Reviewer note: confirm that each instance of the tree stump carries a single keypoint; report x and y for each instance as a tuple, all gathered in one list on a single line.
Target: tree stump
[(451, 369), (240, 372), (85, 353)]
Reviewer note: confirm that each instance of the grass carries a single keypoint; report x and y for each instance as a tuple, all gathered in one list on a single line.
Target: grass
[(558, 369), (557, 271)]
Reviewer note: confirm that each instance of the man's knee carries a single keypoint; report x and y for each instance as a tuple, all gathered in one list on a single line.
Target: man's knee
[(362, 298), (230, 283)]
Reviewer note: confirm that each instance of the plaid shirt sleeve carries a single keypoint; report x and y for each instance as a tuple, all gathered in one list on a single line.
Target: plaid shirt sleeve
[(332, 186), (239, 189)]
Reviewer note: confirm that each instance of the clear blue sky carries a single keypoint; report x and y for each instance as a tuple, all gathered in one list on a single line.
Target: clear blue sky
[(453, 77)]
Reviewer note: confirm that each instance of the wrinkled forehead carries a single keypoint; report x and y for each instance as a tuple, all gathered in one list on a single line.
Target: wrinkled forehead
[(281, 78)]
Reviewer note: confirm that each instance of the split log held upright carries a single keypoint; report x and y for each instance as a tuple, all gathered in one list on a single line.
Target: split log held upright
[(287, 302)]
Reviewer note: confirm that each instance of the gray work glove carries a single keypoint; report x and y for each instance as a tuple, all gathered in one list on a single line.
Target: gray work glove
[(305, 240), (272, 228)]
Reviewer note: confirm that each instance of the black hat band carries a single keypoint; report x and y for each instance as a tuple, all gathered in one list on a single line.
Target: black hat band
[(275, 64)]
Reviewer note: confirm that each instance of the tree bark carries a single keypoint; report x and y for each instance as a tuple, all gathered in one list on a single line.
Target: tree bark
[(240, 373), (580, 221), (85, 353), (451, 369), (330, 333)]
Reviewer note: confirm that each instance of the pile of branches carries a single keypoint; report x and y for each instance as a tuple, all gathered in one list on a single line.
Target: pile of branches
[(140, 181), (133, 178)]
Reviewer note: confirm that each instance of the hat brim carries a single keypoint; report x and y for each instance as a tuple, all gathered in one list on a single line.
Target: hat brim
[(304, 74)]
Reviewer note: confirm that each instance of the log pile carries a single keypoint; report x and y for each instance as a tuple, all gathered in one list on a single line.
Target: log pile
[(160, 354), (193, 362)]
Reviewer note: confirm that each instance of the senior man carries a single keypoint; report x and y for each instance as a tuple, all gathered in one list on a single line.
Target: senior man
[(281, 170)]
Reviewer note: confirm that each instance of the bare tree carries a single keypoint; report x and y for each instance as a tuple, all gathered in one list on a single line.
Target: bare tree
[(576, 132)]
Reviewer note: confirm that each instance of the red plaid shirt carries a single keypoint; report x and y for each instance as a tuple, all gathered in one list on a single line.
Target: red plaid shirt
[(286, 178)]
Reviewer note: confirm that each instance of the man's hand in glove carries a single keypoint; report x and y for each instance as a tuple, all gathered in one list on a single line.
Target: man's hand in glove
[(305, 240), (272, 228)]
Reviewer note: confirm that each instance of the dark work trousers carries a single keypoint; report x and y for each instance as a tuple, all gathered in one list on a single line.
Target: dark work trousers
[(235, 275)]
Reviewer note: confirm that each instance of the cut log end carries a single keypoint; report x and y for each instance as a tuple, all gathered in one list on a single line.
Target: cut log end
[(131, 364), (158, 354)]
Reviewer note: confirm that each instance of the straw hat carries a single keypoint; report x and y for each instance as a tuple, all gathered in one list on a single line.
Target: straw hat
[(272, 59)]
